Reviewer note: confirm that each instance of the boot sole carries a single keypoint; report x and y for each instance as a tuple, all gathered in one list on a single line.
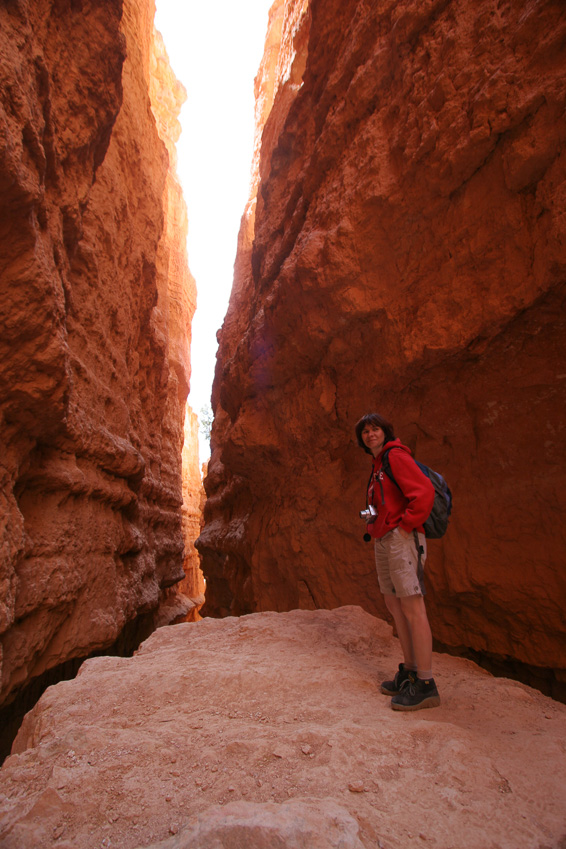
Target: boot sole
[(387, 692), (431, 702)]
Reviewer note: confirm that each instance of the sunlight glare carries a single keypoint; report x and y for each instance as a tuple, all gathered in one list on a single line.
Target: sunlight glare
[(215, 50)]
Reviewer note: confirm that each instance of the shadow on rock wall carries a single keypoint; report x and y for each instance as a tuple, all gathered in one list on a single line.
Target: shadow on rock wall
[(406, 256)]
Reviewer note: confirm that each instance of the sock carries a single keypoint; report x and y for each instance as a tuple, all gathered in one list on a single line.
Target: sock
[(426, 675)]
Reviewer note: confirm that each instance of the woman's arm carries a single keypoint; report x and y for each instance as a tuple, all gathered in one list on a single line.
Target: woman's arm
[(415, 486)]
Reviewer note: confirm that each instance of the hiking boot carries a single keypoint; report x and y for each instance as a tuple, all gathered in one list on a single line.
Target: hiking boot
[(416, 694), (391, 688)]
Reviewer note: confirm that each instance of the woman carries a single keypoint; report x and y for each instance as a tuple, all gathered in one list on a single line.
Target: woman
[(400, 552)]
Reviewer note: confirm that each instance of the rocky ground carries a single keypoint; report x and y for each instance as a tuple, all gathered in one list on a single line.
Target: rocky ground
[(269, 730)]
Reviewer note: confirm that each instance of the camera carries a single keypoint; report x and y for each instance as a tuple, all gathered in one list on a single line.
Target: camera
[(369, 515)]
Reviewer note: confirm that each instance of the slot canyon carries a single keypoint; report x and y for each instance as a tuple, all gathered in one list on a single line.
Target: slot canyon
[(402, 251)]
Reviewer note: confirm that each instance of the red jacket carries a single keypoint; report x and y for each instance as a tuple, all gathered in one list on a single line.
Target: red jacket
[(407, 505)]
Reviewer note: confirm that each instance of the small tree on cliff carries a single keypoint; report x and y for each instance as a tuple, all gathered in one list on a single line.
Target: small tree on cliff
[(205, 421)]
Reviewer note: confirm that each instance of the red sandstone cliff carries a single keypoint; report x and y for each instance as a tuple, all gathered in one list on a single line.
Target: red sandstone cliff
[(193, 507), (96, 308), (407, 255)]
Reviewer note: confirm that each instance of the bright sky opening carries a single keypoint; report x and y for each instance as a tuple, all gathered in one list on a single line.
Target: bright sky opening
[(215, 50)]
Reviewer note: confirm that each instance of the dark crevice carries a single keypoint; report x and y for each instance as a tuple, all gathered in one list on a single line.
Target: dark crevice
[(537, 677), (12, 714)]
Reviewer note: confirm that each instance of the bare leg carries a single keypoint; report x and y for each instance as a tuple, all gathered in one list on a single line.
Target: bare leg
[(414, 612), (393, 605)]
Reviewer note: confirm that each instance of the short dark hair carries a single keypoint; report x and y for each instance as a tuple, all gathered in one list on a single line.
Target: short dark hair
[(377, 421)]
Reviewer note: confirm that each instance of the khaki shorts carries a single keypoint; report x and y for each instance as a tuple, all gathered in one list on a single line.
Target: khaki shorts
[(397, 564)]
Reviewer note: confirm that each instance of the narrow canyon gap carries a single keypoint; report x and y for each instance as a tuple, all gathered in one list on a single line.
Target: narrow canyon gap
[(403, 250)]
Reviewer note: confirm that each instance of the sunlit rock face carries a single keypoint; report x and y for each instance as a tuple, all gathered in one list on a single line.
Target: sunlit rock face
[(192, 587), (407, 256), (96, 309)]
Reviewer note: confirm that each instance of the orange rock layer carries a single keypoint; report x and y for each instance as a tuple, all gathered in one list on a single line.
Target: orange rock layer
[(96, 307), (192, 586), (406, 256)]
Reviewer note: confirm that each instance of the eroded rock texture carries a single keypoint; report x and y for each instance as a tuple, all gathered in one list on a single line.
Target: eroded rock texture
[(192, 587), (406, 256), (96, 308), (269, 731)]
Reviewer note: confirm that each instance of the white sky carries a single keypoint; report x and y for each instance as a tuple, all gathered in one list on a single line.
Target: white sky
[(214, 49)]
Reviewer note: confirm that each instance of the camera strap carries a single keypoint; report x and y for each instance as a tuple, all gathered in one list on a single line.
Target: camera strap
[(367, 489), (377, 478)]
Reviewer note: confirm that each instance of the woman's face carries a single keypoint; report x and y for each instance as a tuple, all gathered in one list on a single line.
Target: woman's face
[(373, 438)]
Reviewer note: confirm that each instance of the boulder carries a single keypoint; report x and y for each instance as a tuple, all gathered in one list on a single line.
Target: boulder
[(270, 730)]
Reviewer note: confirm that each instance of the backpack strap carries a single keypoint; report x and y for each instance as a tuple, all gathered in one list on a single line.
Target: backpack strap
[(386, 467), (420, 552), (367, 489)]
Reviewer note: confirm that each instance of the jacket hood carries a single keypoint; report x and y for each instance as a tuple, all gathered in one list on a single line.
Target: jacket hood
[(393, 443)]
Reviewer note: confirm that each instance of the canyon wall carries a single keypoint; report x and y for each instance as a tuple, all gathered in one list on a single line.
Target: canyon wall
[(403, 251), (96, 307), (192, 586)]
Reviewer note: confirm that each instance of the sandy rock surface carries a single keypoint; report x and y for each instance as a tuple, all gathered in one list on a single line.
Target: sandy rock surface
[(269, 730)]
